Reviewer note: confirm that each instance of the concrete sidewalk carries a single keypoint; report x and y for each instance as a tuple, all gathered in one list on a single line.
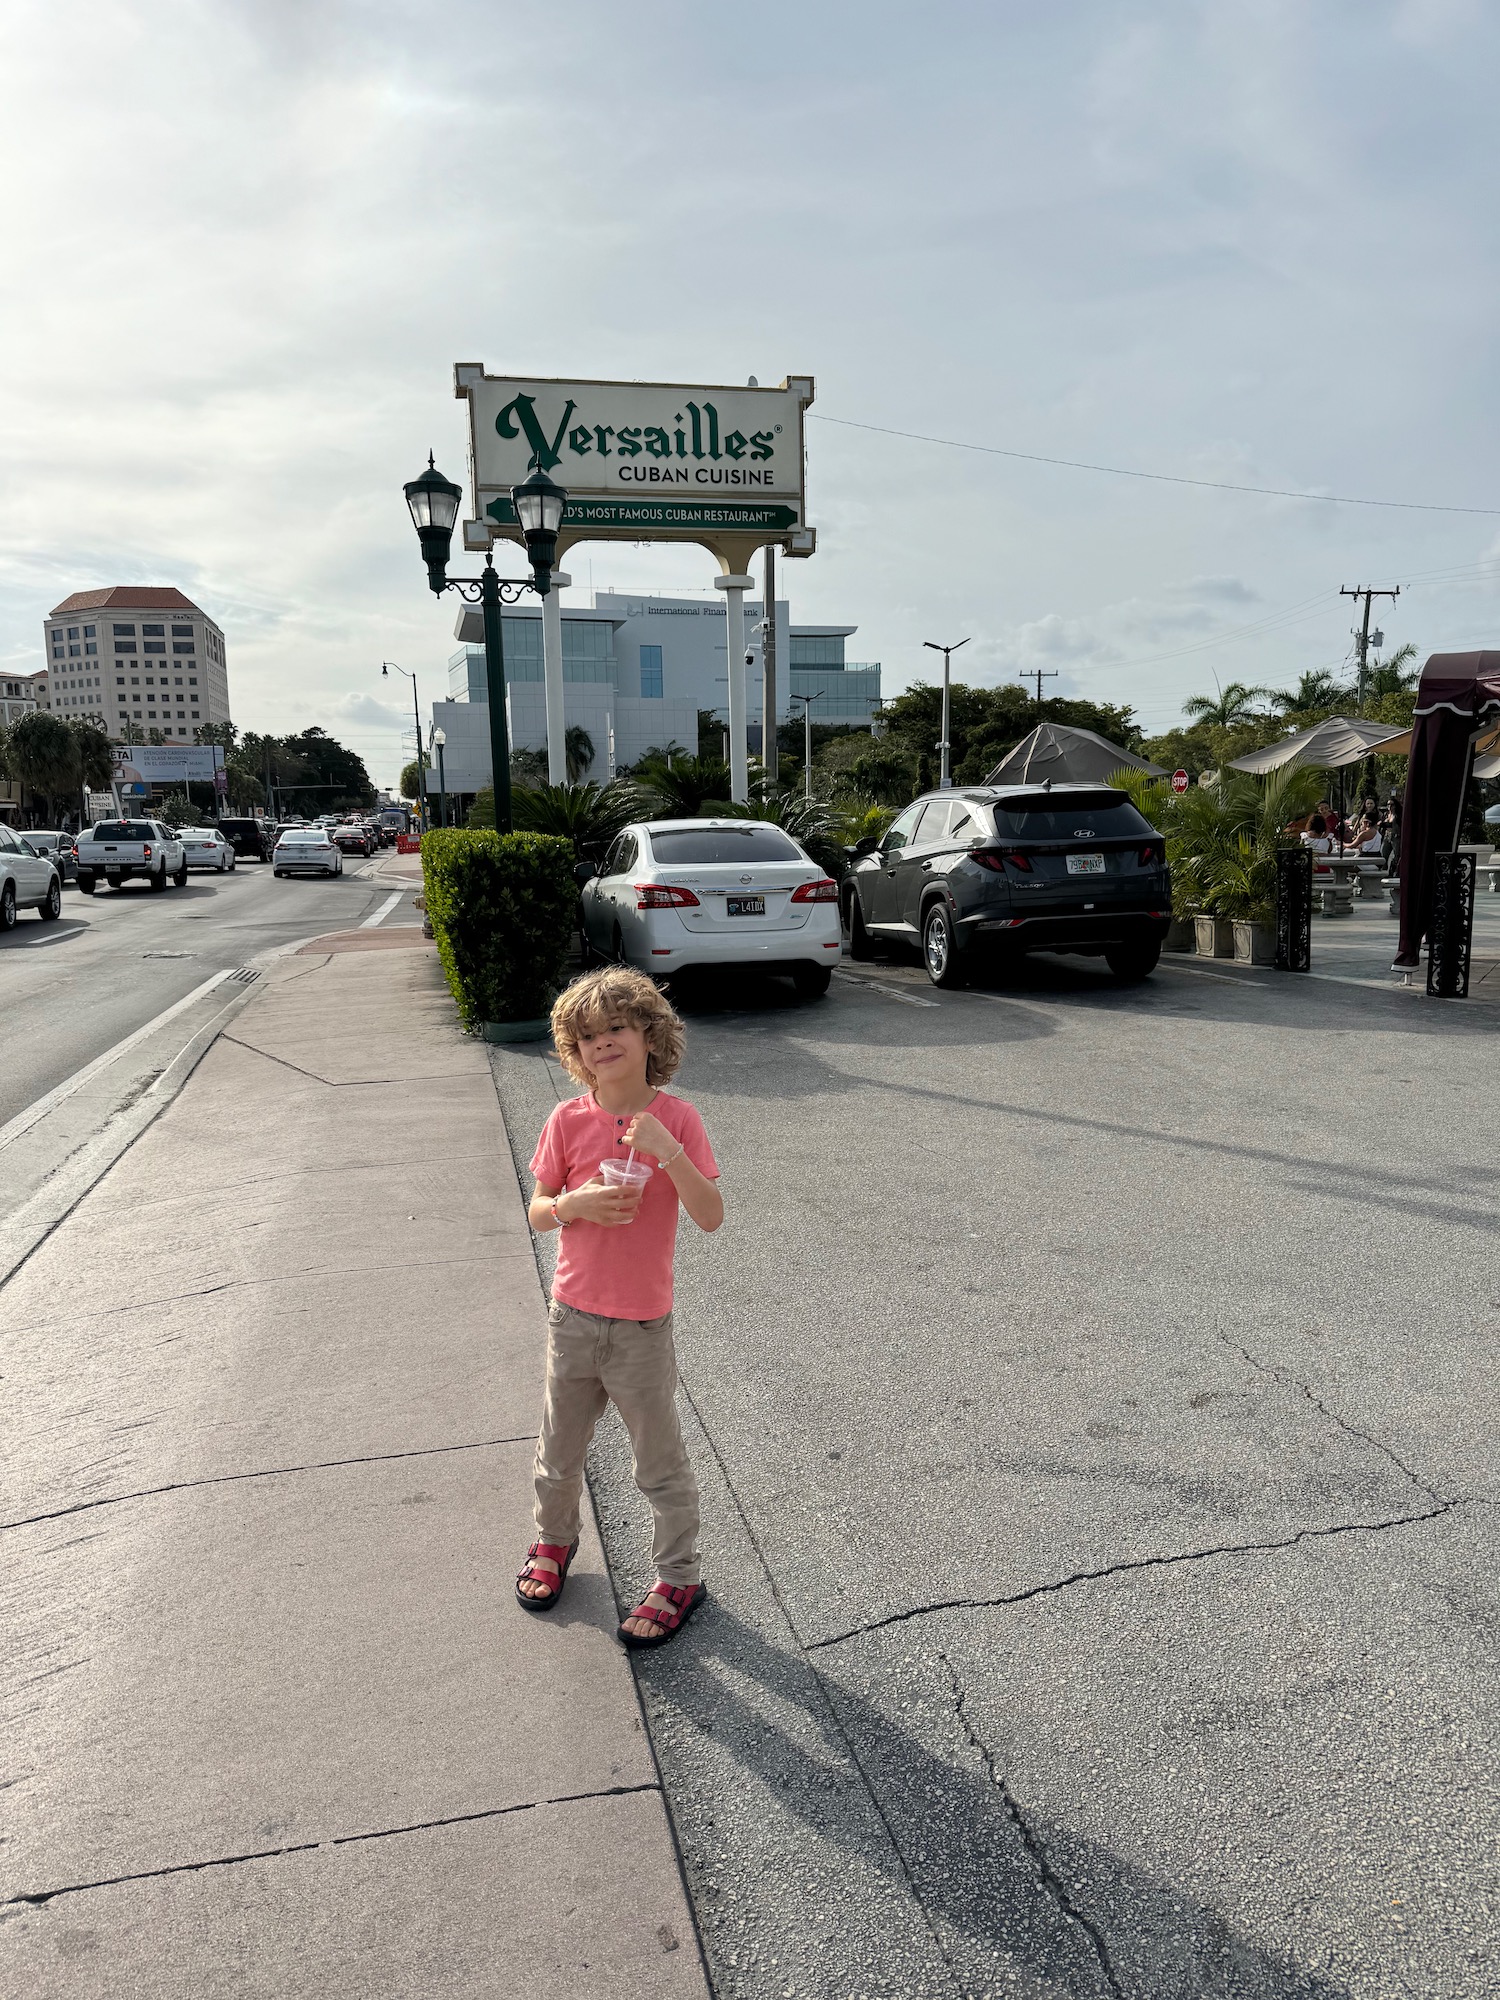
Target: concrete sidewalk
[(276, 1725)]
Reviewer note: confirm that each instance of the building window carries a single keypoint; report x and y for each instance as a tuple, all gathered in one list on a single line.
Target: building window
[(124, 646), (178, 647), (72, 631), (89, 647), (153, 646), (124, 631), (192, 680), (182, 631), (651, 673), (135, 680), (91, 631), (810, 651), (74, 654), (153, 631)]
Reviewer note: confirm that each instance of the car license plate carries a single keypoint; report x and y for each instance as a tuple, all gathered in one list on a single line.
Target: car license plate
[(1085, 864), (744, 906)]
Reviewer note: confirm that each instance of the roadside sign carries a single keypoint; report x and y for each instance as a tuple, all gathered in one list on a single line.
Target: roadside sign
[(1179, 781)]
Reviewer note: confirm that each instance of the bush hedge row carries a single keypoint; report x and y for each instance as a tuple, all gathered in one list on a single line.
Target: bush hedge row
[(503, 909)]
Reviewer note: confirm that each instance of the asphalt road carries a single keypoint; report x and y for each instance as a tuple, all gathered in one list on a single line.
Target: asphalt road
[(1094, 1402)]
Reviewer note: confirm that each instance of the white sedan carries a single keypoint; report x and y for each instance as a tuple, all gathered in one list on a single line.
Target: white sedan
[(28, 880), (307, 850), (681, 893), (206, 847)]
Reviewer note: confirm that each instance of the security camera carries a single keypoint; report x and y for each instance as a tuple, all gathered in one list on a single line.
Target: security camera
[(749, 658)]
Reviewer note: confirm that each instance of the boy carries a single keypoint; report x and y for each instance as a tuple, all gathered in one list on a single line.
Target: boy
[(610, 1320)]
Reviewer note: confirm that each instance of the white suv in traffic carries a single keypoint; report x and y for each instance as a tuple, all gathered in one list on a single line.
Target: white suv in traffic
[(28, 881)]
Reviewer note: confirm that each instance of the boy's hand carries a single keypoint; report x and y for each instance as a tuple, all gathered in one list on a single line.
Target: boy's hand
[(610, 1207), (649, 1135)]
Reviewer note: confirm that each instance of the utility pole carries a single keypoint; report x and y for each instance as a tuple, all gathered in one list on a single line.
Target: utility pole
[(1038, 676), (1363, 635), (945, 778), (768, 744), (807, 701)]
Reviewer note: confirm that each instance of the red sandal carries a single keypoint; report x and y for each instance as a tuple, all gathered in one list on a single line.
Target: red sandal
[(553, 1580), (685, 1596)]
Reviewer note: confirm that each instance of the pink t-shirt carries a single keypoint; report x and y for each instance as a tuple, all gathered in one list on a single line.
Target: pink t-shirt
[(621, 1273)]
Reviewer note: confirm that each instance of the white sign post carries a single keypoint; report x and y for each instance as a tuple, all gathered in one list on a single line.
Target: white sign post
[(646, 462)]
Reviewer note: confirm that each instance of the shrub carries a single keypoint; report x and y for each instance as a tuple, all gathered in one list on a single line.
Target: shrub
[(503, 909)]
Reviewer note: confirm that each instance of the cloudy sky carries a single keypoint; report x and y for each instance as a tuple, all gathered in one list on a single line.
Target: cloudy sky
[(1250, 243)]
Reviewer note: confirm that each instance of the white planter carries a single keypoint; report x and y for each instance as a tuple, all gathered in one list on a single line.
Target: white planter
[(1254, 944), (1215, 937)]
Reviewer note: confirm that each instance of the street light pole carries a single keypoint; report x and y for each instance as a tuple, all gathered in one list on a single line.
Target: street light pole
[(807, 701), (439, 738), (385, 674), (944, 777)]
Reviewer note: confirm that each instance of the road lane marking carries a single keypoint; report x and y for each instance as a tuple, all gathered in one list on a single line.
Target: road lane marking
[(34, 1113), (383, 912)]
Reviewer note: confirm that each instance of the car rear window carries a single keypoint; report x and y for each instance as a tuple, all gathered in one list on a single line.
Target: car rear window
[(316, 838), (1084, 816), (124, 829), (702, 846)]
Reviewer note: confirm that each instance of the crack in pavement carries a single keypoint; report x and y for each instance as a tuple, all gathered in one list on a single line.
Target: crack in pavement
[(345, 1083), (1285, 1376), (1137, 1563), (1052, 1883), (38, 1898), (266, 1472)]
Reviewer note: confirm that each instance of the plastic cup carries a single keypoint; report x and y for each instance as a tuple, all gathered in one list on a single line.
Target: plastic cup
[(625, 1173)]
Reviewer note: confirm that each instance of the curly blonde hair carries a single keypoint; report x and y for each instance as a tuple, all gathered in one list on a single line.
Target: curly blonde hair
[(617, 993)]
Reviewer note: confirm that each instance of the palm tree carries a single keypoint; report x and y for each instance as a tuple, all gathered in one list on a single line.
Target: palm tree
[(686, 788), (1232, 704), (810, 822), (1394, 676), (578, 750), (588, 815), (1319, 689)]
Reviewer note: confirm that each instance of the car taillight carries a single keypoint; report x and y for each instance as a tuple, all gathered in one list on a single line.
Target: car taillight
[(658, 896), (988, 858), (1152, 856), (825, 891), (146, 851)]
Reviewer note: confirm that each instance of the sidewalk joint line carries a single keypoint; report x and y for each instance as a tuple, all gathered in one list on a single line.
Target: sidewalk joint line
[(342, 1083), (265, 1472), (38, 1898), (1136, 1563)]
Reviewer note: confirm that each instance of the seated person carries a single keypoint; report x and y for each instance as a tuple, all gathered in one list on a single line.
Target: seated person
[(1316, 836), (1367, 835)]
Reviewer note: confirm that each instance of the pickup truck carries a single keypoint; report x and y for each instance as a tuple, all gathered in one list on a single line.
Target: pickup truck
[(117, 848)]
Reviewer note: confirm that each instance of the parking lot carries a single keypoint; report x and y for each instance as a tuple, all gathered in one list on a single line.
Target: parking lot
[(1093, 1398)]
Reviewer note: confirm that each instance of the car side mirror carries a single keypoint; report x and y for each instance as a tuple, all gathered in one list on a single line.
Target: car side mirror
[(584, 873), (868, 843)]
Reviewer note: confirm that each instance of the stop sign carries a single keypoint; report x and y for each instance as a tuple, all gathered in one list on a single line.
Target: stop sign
[(1179, 781)]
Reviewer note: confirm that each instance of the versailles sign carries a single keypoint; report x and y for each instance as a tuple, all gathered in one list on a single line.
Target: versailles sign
[(643, 461)]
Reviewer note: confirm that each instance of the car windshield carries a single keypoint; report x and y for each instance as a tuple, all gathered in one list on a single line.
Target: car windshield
[(700, 846), (124, 829), (1084, 816)]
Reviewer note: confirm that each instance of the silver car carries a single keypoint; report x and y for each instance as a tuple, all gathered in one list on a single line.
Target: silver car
[(307, 850), (206, 847), (28, 881)]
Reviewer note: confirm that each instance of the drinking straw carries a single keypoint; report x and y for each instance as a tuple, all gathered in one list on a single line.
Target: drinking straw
[(630, 1156)]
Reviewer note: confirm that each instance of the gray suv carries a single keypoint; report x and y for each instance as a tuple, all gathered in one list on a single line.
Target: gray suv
[(994, 871)]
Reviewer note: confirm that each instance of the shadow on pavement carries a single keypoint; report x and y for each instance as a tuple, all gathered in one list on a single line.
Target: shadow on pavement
[(1005, 1888)]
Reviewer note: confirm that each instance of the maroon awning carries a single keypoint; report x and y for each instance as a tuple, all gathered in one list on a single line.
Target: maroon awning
[(1456, 692)]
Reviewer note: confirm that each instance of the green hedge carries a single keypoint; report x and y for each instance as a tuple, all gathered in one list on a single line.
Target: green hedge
[(503, 909)]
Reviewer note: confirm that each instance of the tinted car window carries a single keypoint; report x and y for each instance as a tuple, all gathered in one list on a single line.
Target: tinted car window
[(8, 842), (125, 829), (703, 846), (900, 831), (1085, 816)]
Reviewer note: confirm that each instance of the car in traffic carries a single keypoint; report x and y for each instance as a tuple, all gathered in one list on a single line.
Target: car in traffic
[(206, 847), (251, 839), (58, 848), (353, 837), (28, 880), (120, 848), (676, 895), (994, 872), (307, 850)]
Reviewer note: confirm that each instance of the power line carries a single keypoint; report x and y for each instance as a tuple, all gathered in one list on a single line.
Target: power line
[(1160, 478)]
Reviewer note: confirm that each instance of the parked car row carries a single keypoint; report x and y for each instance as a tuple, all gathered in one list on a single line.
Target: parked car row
[(979, 876)]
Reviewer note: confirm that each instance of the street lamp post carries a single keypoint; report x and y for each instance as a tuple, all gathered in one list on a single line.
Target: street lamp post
[(539, 503), (439, 738), (944, 776), (385, 674), (807, 701)]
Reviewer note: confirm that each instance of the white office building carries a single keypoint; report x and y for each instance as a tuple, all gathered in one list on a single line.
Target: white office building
[(21, 694), (636, 672), (136, 658)]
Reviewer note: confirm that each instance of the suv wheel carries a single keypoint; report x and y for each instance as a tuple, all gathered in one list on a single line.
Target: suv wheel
[(1130, 962), (860, 946), (52, 904), (8, 907), (812, 981), (940, 953), (180, 878)]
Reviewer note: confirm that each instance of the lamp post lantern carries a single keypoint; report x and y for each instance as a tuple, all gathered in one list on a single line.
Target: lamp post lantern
[(385, 674), (539, 503), (439, 738), (944, 776)]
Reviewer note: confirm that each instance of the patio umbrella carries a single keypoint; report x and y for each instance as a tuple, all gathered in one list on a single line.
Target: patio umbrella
[(1329, 746), (1068, 757)]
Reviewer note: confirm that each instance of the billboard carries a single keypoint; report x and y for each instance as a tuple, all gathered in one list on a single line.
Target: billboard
[(642, 461), (138, 766)]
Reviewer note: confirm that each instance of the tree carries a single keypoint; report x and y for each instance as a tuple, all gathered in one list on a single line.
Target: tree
[(578, 751), (690, 786), (42, 752), (1318, 692), (1395, 675), (1233, 703), (223, 733), (96, 757), (177, 809), (411, 787)]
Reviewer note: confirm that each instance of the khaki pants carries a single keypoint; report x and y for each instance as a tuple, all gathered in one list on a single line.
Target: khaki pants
[(631, 1363)]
